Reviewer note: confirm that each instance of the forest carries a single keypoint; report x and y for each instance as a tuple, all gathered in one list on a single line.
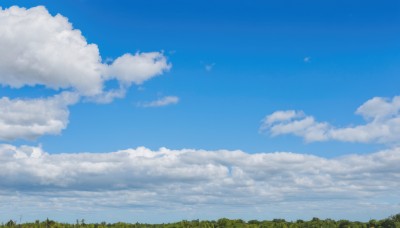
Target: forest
[(390, 222)]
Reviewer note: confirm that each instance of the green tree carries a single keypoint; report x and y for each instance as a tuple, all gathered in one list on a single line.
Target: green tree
[(11, 223), (388, 223)]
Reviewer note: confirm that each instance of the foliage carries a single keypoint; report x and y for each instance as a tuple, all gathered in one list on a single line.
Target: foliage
[(390, 222)]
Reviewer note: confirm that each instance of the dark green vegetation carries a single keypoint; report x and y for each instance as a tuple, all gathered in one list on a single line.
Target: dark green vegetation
[(391, 222)]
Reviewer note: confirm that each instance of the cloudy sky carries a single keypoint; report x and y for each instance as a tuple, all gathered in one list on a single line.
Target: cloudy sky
[(157, 111)]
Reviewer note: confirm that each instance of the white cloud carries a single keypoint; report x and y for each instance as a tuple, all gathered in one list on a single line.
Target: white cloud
[(173, 179), (37, 48), (31, 118), (109, 95), (139, 67), (164, 101), (281, 116), (382, 124), (293, 122)]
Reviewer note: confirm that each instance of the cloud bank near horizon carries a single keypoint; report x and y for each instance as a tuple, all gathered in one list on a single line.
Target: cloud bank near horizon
[(172, 179), (382, 117)]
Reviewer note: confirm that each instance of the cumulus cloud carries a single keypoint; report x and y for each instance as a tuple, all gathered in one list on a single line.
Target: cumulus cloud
[(382, 124), (139, 67), (164, 101), (31, 118), (297, 123), (37, 48), (171, 179)]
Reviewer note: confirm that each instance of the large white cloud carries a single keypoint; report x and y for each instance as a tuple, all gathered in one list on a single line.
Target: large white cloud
[(172, 179), (382, 118), (31, 118), (37, 48)]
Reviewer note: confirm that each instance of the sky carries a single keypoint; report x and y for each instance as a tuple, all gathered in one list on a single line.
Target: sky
[(157, 111)]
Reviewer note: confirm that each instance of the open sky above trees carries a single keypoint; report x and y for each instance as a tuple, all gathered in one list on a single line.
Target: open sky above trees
[(158, 111)]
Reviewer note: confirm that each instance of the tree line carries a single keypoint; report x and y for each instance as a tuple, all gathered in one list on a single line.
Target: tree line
[(390, 222)]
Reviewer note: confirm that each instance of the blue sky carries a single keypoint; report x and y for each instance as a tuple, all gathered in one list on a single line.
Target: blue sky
[(258, 50), (313, 78)]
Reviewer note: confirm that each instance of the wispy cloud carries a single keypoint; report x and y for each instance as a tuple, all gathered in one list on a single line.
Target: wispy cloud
[(382, 118), (307, 59), (164, 101), (209, 67)]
